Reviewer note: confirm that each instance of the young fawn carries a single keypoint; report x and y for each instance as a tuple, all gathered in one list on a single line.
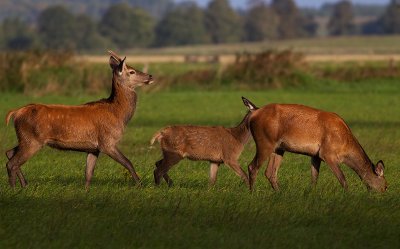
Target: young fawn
[(201, 143), (323, 136), (92, 128)]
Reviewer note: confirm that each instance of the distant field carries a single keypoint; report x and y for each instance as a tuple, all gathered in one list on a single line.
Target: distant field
[(227, 59), (55, 211), (367, 48)]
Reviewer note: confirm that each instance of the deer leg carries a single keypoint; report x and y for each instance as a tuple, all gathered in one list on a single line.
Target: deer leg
[(169, 160), (90, 165), (337, 172), (121, 159), (213, 173), (166, 177), (272, 170), (10, 154), (255, 165), (315, 165), (20, 156), (239, 171)]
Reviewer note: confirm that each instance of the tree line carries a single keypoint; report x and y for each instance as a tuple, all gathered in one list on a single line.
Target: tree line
[(126, 27)]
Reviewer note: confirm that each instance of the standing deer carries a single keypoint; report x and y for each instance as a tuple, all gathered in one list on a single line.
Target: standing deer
[(92, 128), (214, 144), (323, 136)]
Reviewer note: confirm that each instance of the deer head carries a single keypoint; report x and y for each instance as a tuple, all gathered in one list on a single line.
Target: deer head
[(125, 75), (377, 181)]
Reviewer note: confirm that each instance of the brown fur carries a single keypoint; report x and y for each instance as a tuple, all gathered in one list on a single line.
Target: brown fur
[(214, 144), (92, 128), (323, 136)]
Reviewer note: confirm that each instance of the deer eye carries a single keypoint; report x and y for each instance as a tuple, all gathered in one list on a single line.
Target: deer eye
[(132, 72)]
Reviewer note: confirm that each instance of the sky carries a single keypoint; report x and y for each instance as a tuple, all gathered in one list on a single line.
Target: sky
[(308, 3)]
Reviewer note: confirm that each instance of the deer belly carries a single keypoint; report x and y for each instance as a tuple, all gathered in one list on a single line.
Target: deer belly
[(310, 148), (199, 155), (70, 138), (72, 145)]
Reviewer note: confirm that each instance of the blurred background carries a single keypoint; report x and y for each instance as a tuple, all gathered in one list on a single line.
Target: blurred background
[(92, 26), (217, 42)]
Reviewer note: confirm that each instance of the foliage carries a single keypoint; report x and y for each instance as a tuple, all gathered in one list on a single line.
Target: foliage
[(267, 69), (29, 10), (127, 27), (57, 28), (223, 24), (390, 20), (356, 72), (182, 26), (17, 35), (38, 73), (291, 21), (88, 37), (261, 23), (341, 21), (359, 9)]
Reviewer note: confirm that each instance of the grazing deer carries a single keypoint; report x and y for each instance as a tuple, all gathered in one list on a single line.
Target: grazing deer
[(323, 136), (92, 128), (201, 143)]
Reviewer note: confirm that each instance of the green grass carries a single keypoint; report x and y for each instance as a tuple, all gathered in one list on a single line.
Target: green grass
[(54, 211)]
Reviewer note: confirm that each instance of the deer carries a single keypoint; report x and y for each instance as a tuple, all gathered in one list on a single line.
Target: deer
[(215, 144), (94, 128), (322, 135)]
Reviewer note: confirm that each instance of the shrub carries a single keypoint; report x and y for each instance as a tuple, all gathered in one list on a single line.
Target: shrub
[(267, 69), (38, 73)]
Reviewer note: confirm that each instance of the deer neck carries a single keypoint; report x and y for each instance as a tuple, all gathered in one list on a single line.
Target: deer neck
[(123, 101), (359, 161), (241, 132)]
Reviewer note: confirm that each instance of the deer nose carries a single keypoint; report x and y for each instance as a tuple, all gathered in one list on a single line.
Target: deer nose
[(150, 80)]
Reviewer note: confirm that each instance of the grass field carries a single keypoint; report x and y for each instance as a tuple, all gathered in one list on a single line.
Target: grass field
[(55, 211)]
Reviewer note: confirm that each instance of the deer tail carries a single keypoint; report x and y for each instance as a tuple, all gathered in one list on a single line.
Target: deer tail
[(10, 115), (157, 137)]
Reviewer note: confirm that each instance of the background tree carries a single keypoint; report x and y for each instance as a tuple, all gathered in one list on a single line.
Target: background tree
[(309, 25), (17, 35), (253, 3), (291, 22), (87, 35), (127, 27), (341, 21), (223, 24), (57, 28), (390, 21), (181, 26), (261, 23)]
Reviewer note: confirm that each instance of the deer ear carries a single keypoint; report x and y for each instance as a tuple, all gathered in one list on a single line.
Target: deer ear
[(379, 168), (114, 62), (249, 105), (121, 66)]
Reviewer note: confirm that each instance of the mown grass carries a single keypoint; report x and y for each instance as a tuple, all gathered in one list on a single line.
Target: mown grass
[(55, 211)]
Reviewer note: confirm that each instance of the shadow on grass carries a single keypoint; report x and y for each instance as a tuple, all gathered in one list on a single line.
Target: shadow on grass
[(118, 182), (184, 218)]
